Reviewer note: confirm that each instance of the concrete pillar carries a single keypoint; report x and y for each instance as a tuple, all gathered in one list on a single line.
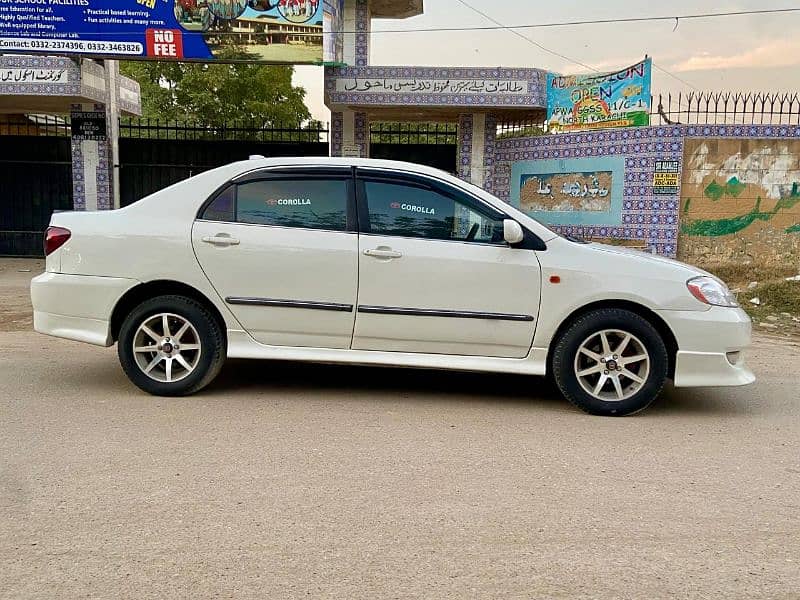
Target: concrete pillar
[(489, 148), (358, 18), (464, 152), (349, 55), (477, 133), (349, 134), (363, 18), (91, 167), (112, 120)]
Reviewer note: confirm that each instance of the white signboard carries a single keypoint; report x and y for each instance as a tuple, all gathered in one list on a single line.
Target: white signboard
[(351, 151), (432, 86), (34, 76)]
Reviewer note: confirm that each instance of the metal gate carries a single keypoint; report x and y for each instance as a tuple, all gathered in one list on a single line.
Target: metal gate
[(36, 176), (431, 144), (155, 154)]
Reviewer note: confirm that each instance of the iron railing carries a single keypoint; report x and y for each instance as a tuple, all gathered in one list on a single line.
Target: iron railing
[(35, 125), (520, 128), (726, 108), (414, 133), (697, 108), (146, 128), (693, 108)]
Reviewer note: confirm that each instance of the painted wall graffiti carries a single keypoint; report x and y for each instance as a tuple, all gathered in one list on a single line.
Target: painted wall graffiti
[(583, 191), (563, 192), (740, 197), (709, 193)]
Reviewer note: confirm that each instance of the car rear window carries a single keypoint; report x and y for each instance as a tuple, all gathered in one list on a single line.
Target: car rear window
[(302, 203), (222, 207)]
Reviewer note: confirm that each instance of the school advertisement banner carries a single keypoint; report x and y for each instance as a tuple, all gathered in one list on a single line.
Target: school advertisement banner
[(600, 101), (268, 31)]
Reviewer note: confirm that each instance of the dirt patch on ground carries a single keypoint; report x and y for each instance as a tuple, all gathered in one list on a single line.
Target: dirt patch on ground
[(770, 295), (16, 313)]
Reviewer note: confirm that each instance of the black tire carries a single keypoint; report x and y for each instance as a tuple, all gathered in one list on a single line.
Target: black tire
[(210, 338), (566, 350)]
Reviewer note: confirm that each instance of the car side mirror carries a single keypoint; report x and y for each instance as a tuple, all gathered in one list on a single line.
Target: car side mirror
[(512, 232)]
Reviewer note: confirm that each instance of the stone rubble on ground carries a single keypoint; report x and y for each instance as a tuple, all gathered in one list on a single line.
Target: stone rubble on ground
[(773, 318), (756, 301), (795, 278), (753, 285)]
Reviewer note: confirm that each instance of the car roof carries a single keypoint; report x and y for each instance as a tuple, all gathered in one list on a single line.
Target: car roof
[(309, 161)]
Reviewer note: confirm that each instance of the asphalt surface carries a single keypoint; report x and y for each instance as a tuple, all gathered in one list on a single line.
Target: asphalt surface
[(301, 481)]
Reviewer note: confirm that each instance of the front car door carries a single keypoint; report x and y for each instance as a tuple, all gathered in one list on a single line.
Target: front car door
[(281, 250), (436, 275)]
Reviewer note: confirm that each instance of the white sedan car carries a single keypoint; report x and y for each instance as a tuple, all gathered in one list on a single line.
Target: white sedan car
[(378, 263)]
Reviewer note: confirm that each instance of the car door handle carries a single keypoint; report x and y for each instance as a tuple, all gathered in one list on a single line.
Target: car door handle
[(382, 252), (221, 239)]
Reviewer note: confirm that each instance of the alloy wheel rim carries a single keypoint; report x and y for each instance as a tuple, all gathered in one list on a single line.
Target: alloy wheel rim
[(167, 347), (612, 365)]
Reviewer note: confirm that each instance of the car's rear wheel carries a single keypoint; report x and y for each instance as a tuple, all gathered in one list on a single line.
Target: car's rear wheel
[(610, 362), (171, 346)]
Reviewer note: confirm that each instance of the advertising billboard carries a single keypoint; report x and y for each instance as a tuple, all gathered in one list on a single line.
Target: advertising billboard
[(264, 31), (600, 101)]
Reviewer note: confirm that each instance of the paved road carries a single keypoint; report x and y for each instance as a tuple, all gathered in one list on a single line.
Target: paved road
[(295, 481)]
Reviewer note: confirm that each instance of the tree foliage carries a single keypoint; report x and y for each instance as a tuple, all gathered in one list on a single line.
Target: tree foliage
[(212, 94)]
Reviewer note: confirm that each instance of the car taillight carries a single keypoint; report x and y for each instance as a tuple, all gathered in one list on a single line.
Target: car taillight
[(54, 238)]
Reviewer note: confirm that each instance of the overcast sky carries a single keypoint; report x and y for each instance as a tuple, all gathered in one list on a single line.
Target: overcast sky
[(753, 53)]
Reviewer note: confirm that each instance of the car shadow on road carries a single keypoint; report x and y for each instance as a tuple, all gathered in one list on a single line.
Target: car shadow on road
[(365, 382), (244, 379)]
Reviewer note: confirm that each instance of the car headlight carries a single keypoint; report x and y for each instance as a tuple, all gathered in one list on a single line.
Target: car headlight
[(711, 291)]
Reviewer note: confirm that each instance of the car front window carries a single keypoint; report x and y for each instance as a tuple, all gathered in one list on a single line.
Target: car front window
[(404, 210)]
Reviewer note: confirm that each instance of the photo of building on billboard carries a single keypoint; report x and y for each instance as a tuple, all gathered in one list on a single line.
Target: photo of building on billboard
[(275, 31), (268, 31)]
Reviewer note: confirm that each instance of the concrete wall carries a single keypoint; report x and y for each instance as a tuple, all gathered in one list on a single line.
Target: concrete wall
[(736, 198), (740, 201), (622, 161)]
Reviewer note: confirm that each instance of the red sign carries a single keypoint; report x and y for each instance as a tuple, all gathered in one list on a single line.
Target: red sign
[(164, 43)]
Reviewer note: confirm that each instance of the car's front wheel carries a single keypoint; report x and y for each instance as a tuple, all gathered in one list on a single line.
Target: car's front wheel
[(610, 362), (171, 346)]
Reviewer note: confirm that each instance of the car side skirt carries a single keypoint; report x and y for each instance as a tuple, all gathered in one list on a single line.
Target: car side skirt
[(241, 345)]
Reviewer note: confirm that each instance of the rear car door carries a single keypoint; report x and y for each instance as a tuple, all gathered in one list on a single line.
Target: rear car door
[(436, 275), (281, 249)]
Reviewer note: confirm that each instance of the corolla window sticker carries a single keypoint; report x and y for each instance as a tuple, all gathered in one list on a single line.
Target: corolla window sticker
[(288, 202), (413, 208)]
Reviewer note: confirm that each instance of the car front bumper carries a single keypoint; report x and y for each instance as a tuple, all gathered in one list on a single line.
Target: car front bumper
[(76, 307), (711, 347)]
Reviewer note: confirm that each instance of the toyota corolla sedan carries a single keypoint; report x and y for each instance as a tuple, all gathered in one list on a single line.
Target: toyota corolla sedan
[(378, 263)]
